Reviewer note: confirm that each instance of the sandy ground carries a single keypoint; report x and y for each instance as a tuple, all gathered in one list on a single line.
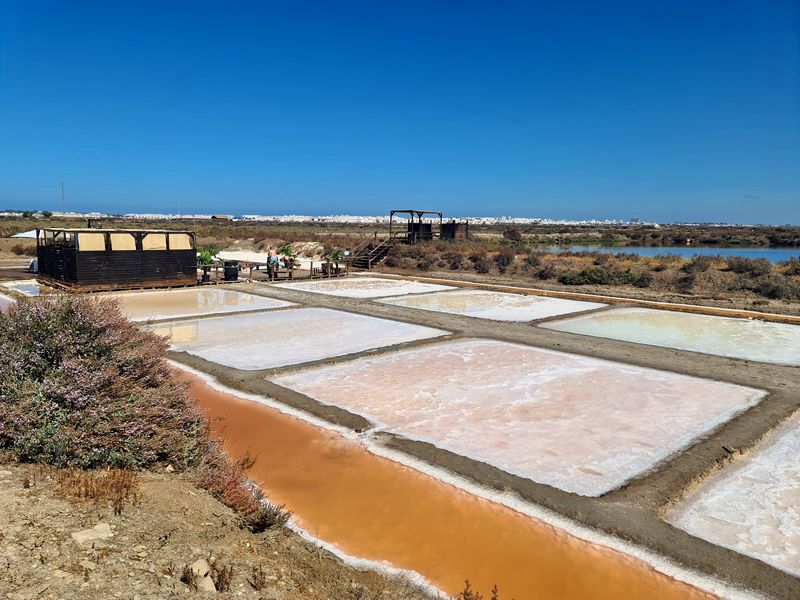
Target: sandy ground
[(171, 525)]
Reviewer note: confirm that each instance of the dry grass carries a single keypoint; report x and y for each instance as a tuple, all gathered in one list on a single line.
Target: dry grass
[(258, 578), (115, 486), (469, 594), (227, 481), (222, 575), (189, 577)]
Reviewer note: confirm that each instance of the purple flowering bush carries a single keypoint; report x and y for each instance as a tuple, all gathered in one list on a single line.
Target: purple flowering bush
[(82, 386)]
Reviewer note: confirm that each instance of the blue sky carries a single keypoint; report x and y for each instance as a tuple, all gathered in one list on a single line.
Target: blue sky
[(668, 110)]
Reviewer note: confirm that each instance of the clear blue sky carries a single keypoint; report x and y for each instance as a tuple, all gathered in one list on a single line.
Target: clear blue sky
[(665, 110)]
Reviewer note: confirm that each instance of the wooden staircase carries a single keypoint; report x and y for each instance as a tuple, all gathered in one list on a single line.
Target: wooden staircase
[(373, 251)]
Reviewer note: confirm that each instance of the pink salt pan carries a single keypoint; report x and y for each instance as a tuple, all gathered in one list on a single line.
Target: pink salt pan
[(753, 505), (188, 302), (5, 302), (365, 287), (287, 337), (26, 287), (496, 306), (580, 424)]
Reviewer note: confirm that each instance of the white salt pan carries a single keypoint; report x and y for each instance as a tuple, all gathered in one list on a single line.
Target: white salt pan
[(273, 339), (761, 341), (189, 302), (26, 287), (581, 424), (753, 505), (365, 287), (497, 306)]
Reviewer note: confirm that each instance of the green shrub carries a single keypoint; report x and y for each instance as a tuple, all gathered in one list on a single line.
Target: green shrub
[(700, 264), (663, 261), (598, 276), (504, 259), (23, 250), (532, 261), (454, 259), (777, 287), (644, 280), (547, 272), (792, 267), (482, 265), (758, 267)]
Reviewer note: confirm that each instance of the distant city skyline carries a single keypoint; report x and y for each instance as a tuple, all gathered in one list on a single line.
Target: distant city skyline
[(374, 218), (663, 111)]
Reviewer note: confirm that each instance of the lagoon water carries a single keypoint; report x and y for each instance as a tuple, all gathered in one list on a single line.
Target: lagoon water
[(774, 255), (748, 339), (580, 424)]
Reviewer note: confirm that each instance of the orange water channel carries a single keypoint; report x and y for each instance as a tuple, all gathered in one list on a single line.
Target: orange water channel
[(372, 507)]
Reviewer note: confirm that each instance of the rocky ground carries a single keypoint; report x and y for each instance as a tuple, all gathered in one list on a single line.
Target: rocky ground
[(169, 540)]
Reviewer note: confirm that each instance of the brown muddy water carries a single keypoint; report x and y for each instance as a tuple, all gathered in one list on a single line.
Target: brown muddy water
[(374, 508)]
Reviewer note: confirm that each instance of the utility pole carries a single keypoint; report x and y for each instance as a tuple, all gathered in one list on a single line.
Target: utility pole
[(63, 204)]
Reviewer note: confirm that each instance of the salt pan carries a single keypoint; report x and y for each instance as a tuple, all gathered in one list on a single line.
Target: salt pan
[(761, 341), (140, 306), (274, 339), (364, 287), (497, 306), (26, 287), (581, 424), (753, 505)]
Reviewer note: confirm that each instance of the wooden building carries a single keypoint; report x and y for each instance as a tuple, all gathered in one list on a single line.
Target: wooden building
[(420, 227), (112, 259), (455, 230)]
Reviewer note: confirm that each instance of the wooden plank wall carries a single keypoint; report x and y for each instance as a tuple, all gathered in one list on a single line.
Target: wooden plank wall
[(117, 269), (58, 261), (136, 267)]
